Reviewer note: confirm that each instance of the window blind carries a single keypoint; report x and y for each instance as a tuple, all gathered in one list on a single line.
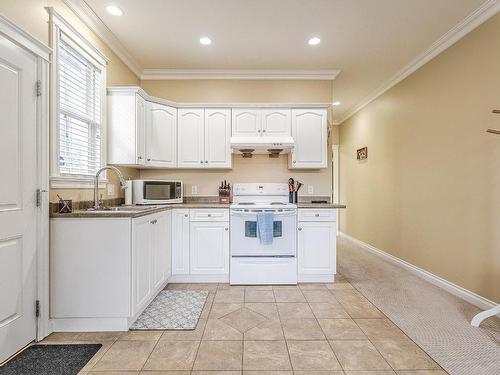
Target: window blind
[(79, 80)]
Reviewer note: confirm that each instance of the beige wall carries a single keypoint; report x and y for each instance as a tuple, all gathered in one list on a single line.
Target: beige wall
[(429, 192), (31, 16), (260, 167)]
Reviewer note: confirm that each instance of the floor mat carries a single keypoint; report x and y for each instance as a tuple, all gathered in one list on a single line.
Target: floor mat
[(172, 310), (50, 360)]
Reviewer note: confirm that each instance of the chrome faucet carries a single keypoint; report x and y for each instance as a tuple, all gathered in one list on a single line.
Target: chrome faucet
[(123, 184)]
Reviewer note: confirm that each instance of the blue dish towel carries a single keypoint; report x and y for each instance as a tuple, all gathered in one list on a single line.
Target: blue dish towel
[(265, 226)]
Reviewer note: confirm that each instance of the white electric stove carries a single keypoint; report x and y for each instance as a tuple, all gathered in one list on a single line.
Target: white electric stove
[(253, 263)]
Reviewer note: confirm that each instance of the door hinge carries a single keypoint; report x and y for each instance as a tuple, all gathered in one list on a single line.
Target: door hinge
[(38, 88), (37, 308), (38, 197)]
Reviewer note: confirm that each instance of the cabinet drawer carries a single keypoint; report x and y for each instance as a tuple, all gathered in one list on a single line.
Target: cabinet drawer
[(209, 214), (317, 214)]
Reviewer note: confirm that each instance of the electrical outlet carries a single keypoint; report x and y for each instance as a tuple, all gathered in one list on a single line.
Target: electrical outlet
[(194, 189), (310, 189), (110, 189)]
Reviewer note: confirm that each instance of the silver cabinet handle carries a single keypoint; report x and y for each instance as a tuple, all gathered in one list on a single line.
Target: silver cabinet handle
[(149, 159), (226, 229), (201, 161), (263, 131), (185, 215), (139, 157), (294, 161), (206, 161), (300, 228), (316, 215), (209, 215), (258, 131)]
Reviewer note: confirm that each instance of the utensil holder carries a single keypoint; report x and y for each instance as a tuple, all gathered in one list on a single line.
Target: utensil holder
[(65, 206), (293, 197)]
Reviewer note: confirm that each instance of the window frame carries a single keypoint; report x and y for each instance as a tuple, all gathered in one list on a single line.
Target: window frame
[(57, 179)]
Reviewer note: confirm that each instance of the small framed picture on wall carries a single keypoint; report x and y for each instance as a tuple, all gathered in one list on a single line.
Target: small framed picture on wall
[(362, 153)]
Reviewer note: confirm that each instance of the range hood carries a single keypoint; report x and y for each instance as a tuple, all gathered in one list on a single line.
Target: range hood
[(273, 146)]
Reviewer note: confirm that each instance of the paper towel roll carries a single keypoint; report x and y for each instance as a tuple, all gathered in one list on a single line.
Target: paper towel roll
[(128, 192)]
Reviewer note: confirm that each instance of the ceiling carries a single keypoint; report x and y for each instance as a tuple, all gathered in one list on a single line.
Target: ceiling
[(369, 41)]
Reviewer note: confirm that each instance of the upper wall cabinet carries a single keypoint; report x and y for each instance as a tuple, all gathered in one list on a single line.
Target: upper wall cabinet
[(191, 138), (161, 136), (126, 128), (246, 122), (140, 133), (309, 132), (276, 122), (261, 122), (204, 138)]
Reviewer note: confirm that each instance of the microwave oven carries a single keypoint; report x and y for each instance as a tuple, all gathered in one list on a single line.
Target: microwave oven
[(156, 191)]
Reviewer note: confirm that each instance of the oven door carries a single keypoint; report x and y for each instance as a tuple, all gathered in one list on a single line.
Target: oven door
[(245, 241)]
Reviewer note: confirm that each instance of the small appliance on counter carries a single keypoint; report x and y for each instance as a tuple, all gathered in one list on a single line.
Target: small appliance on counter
[(225, 192), (293, 190), (157, 192)]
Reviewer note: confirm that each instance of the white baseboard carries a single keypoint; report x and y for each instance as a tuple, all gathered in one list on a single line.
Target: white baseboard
[(327, 278), (467, 295), (89, 324), (175, 279)]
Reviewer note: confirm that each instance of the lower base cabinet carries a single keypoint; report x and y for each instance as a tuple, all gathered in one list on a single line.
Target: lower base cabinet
[(209, 248), (200, 245), (105, 271), (317, 247)]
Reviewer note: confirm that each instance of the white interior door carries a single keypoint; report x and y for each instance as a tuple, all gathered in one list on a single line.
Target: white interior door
[(18, 174)]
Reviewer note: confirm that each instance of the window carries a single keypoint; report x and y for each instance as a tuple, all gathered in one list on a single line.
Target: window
[(78, 117)]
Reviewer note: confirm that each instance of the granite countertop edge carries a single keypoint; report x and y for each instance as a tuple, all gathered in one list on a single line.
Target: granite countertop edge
[(158, 208)]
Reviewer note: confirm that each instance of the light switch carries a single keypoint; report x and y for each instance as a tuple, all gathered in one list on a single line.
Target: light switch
[(310, 189), (194, 189), (110, 189)]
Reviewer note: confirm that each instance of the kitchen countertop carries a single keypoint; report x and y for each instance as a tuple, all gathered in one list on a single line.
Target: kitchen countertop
[(148, 210), (319, 205)]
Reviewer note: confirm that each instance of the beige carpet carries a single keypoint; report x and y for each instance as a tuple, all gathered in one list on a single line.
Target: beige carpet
[(435, 319)]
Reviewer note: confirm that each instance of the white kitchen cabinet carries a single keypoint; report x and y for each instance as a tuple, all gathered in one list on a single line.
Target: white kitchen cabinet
[(142, 257), (204, 136), (162, 248), (161, 136), (105, 271), (261, 122), (209, 248), (309, 132), (246, 122), (180, 242), (316, 251), (276, 122), (126, 128), (217, 138), (191, 138)]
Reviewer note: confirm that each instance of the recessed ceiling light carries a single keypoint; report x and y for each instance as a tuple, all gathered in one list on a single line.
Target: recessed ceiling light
[(114, 10), (314, 41), (205, 41), (336, 103)]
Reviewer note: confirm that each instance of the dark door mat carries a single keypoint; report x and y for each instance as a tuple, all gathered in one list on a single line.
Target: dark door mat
[(50, 360)]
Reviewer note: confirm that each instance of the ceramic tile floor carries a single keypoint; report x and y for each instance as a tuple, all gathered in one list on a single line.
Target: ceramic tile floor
[(328, 329)]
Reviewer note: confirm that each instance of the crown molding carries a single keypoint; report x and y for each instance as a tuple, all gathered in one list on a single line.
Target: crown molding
[(476, 18), (89, 18), (257, 74), (22, 38)]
